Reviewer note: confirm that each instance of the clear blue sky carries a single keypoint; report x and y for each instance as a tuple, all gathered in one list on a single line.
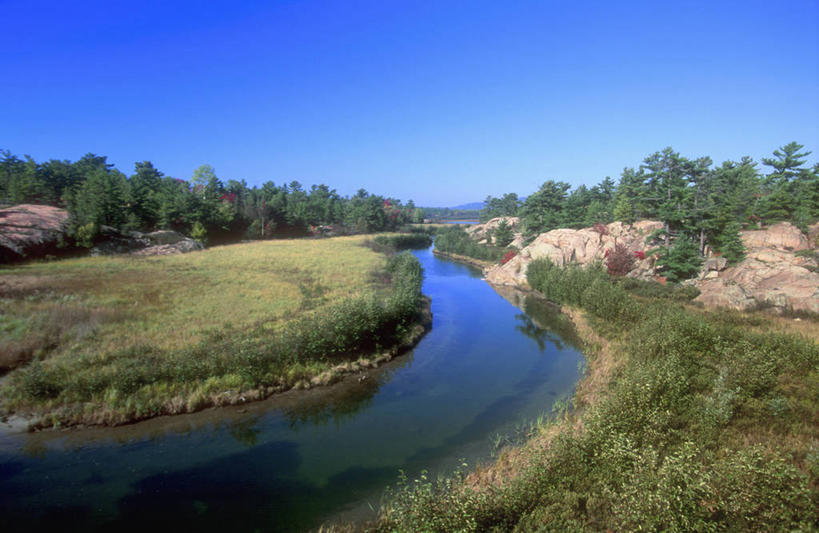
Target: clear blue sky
[(443, 102)]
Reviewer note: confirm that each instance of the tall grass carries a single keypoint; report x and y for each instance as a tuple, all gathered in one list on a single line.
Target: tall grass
[(705, 427)]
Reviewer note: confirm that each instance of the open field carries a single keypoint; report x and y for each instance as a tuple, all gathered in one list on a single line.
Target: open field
[(78, 319)]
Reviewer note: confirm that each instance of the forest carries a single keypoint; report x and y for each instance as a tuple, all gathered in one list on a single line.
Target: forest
[(700, 204), (212, 210)]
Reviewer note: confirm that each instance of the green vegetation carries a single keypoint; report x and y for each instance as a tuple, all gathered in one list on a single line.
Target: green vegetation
[(697, 422), (503, 235), (455, 240), (404, 241), (706, 204), (119, 339), (96, 194)]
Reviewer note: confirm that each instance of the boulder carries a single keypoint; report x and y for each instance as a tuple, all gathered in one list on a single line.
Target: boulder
[(714, 264), (182, 246), (781, 236), (164, 237), (28, 231), (771, 275)]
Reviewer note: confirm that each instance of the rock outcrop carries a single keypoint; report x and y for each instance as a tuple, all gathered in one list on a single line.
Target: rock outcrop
[(771, 275), (481, 232), (583, 246), (167, 243), (28, 231), (32, 231), (164, 242)]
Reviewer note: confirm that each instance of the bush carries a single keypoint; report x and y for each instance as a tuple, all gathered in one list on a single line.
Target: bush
[(404, 241), (654, 289), (456, 240), (199, 233), (86, 235), (619, 260), (588, 287)]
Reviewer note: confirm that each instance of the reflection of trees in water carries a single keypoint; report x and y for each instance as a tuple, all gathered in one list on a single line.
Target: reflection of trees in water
[(340, 403), (540, 336), (245, 431), (542, 321), (338, 408)]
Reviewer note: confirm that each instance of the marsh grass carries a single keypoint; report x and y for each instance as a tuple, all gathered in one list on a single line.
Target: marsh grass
[(118, 339)]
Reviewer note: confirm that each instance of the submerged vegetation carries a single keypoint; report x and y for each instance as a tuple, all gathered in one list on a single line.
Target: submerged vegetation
[(174, 334), (697, 422)]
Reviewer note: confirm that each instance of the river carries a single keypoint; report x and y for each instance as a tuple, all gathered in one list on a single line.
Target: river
[(304, 457)]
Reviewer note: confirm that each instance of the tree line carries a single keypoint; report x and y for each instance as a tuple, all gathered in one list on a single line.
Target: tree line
[(699, 203), (97, 195)]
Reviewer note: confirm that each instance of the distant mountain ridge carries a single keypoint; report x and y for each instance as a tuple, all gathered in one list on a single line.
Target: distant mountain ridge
[(474, 206)]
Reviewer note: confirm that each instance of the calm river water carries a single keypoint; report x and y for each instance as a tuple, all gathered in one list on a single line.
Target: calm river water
[(301, 458)]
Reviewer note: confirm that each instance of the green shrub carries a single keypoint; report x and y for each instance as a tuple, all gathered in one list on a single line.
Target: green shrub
[(681, 261), (456, 240), (655, 289), (199, 233), (404, 241), (86, 234)]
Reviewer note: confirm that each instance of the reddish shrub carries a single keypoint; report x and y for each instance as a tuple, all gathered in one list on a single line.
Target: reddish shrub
[(640, 254), (600, 228), (508, 257), (619, 260)]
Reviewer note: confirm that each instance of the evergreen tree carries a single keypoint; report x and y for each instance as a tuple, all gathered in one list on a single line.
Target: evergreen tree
[(145, 184), (542, 211), (623, 210), (730, 244), (667, 192), (503, 235), (100, 201), (780, 186), (681, 260)]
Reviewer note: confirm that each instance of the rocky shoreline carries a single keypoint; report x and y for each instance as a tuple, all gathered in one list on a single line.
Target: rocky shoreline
[(780, 271)]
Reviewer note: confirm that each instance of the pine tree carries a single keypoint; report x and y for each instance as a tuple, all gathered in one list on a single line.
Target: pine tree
[(729, 244), (680, 261), (503, 234)]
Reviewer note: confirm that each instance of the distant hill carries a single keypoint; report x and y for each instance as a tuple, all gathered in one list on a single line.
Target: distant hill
[(474, 206)]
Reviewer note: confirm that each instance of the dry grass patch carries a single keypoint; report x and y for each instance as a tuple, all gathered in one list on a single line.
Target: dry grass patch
[(172, 301)]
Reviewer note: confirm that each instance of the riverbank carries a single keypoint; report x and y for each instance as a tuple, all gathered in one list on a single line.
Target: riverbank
[(683, 422), (331, 307), (483, 265)]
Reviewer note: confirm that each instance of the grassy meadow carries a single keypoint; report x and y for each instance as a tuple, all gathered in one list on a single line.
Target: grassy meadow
[(81, 336)]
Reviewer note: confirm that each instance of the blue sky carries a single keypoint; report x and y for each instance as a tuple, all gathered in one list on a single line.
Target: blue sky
[(442, 101)]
